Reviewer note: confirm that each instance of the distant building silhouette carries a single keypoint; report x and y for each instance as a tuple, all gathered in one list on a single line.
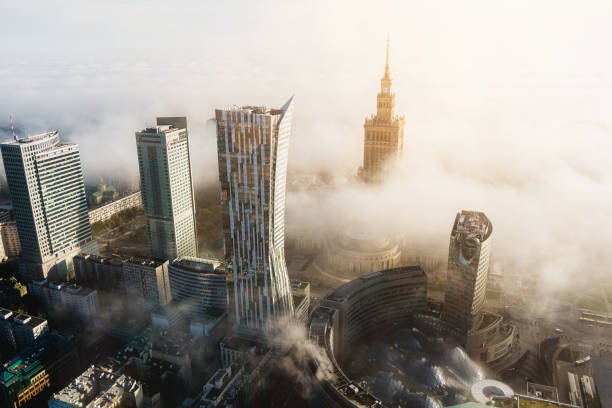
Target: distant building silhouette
[(383, 133)]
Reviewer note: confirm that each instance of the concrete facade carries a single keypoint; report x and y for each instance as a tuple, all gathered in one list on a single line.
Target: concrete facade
[(108, 210), (166, 186), (46, 186), (146, 281), (60, 297), (9, 240)]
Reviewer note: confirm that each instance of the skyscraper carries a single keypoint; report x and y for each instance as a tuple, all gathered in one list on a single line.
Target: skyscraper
[(468, 267), (167, 188), (45, 182), (383, 132), (253, 147)]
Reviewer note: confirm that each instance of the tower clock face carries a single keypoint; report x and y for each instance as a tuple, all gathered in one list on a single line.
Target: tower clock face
[(385, 89)]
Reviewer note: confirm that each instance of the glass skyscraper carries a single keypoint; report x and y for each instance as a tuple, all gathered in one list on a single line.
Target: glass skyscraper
[(167, 188), (45, 181), (253, 147), (468, 269)]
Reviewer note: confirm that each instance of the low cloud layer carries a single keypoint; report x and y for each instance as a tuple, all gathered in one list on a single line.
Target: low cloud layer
[(513, 122)]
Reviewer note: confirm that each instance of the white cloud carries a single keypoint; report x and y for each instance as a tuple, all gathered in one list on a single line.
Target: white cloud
[(507, 108)]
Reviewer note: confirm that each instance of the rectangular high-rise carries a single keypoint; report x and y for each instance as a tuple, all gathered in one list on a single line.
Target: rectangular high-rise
[(253, 148), (45, 182), (146, 281), (167, 188)]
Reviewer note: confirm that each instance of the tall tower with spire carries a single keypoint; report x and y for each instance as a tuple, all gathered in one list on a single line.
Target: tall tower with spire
[(383, 133)]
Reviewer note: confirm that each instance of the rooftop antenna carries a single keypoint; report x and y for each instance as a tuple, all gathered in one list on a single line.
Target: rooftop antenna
[(12, 127)]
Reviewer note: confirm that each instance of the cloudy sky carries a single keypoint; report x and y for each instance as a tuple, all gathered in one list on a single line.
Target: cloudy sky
[(508, 104)]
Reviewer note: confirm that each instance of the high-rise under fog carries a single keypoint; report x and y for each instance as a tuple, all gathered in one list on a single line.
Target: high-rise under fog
[(253, 147), (383, 133), (45, 181), (468, 268), (167, 188)]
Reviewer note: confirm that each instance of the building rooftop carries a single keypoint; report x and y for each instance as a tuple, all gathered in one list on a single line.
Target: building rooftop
[(219, 382), (242, 344), (71, 288), (164, 341), (5, 314), (364, 239), (473, 223), (253, 110), (145, 261), (28, 321), (262, 110), (21, 318), (159, 129), (204, 265), (35, 358), (347, 290), (95, 387), (33, 138), (102, 259)]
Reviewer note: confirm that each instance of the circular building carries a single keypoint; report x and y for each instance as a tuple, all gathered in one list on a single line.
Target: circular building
[(352, 311), (484, 391), (356, 251), (367, 328)]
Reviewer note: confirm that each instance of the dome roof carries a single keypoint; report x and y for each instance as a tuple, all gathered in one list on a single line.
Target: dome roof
[(364, 239)]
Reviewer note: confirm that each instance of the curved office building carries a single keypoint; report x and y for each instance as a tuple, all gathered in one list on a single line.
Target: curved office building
[(198, 283), (354, 310), (378, 353)]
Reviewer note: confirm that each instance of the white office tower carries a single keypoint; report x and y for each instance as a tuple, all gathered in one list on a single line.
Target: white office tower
[(45, 182), (253, 147), (167, 188)]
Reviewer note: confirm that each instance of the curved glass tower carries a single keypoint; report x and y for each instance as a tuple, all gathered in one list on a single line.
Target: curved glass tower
[(253, 148), (468, 268)]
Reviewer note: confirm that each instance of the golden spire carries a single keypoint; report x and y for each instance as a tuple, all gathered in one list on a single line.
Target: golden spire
[(387, 62)]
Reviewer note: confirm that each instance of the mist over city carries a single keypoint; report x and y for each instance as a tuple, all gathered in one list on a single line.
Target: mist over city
[(488, 122)]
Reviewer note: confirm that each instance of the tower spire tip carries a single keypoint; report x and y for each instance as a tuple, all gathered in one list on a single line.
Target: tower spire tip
[(387, 60)]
